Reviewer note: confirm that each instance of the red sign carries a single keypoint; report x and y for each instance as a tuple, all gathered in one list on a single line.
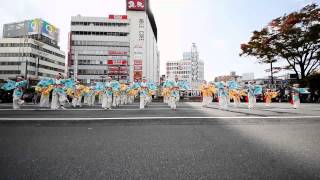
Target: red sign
[(136, 5), (137, 62), (111, 16), (137, 75), (117, 62), (113, 68)]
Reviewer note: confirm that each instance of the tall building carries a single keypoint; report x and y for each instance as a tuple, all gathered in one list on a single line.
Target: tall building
[(121, 46), (30, 48), (190, 68)]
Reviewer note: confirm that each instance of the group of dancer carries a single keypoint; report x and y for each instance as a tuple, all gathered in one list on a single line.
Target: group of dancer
[(110, 93), (171, 91), (227, 91)]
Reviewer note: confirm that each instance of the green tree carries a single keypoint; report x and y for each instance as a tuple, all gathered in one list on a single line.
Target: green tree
[(293, 38)]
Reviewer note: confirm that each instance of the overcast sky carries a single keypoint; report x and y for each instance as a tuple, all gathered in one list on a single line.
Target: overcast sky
[(217, 26)]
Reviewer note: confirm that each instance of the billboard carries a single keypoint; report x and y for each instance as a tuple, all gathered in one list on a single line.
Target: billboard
[(34, 26), (49, 30), (39, 26), (136, 5)]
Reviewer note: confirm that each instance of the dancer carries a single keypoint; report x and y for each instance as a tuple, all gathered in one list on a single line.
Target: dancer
[(223, 95), (207, 93), (58, 95), (18, 92), (130, 93), (123, 94), (268, 95), (78, 94), (107, 94), (143, 92), (235, 95), (251, 95), (175, 96), (295, 96), (44, 87)]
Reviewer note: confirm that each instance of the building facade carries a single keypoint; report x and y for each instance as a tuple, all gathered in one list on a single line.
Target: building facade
[(190, 68), (121, 46), (30, 48), (232, 77)]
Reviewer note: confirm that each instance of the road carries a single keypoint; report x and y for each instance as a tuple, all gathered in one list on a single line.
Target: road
[(157, 143)]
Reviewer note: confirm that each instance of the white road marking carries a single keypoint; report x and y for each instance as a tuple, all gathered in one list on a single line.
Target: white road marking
[(152, 118), (137, 109)]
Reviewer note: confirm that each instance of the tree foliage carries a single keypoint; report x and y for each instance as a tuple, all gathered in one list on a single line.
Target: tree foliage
[(293, 38)]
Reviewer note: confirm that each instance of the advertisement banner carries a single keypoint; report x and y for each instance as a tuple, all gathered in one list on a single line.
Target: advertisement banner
[(49, 30), (137, 75), (34, 26)]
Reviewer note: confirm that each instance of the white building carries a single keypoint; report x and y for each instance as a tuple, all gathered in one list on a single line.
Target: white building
[(121, 46), (247, 77), (30, 48), (190, 69)]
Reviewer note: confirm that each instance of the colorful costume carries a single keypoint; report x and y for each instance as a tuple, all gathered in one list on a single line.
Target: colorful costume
[(174, 97), (17, 94), (143, 92), (58, 95), (44, 87), (295, 95), (107, 94), (207, 94), (77, 96)]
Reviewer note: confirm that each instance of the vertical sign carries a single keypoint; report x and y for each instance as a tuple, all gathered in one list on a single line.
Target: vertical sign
[(137, 62)]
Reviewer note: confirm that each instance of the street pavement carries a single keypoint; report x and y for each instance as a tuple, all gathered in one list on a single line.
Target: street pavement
[(275, 142)]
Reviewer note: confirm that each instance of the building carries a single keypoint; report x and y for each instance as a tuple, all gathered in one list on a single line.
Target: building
[(247, 76), (190, 68), (30, 48), (121, 46), (232, 77)]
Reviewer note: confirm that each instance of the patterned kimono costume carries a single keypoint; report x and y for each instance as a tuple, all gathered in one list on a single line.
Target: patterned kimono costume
[(268, 98), (251, 96), (58, 95), (174, 98), (17, 95), (77, 98), (143, 92), (107, 96), (223, 98), (295, 98), (45, 97), (207, 94)]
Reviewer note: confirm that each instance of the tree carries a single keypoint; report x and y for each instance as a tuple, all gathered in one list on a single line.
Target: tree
[(293, 38)]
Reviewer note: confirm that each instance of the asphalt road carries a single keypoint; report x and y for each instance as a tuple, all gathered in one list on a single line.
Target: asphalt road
[(157, 143)]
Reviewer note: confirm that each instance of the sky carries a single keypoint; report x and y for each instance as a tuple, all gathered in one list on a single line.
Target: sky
[(218, 27)]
